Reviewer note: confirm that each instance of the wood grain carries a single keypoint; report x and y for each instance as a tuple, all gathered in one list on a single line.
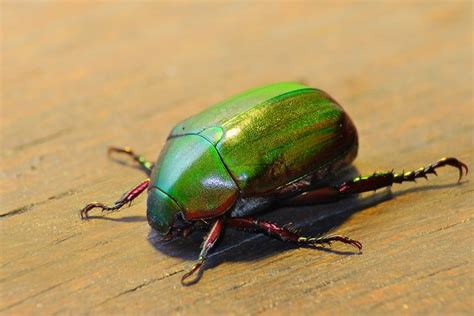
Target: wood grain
[(80, 76)]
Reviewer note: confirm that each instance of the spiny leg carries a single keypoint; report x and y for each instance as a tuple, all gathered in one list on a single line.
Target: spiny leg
[(273, 230), (145, 164), (372, 183), (128, 197), (208, 243)]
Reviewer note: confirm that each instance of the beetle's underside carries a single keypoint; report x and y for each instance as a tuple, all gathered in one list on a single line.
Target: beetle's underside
[(303, 194)]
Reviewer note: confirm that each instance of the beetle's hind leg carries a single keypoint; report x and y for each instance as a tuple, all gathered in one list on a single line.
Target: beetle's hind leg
[(128, 197), (371, 183), (144, 164), (273, 230)]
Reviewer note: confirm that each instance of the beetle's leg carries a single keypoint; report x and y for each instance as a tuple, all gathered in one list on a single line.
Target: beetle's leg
[(372, 183), (128, 197), (273, 230), (145, 164), (208, 243)]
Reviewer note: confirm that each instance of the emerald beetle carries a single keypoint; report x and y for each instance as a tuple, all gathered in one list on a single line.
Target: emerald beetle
[(270, 146)]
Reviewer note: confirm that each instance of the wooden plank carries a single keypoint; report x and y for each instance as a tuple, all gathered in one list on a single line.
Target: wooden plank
[(78, 77)]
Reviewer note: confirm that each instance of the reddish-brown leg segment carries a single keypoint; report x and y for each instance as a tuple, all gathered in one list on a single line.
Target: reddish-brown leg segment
[(273, 230), (208, 243), (128, 197), (372, 183)]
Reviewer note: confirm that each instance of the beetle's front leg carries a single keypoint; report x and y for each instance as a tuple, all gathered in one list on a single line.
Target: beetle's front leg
[(208, 243), (256, 225), (128, 197), (372, 183)]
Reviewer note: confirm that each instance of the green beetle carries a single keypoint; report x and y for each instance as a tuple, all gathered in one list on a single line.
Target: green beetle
[(273, 145)]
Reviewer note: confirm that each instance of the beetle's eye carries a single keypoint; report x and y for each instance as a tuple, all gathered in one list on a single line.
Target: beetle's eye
[(180, 222)]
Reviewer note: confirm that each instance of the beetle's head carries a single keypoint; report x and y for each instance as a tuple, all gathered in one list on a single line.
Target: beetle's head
[(163, 213)]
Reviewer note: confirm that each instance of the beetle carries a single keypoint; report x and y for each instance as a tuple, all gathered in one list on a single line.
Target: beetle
[(270, 146)]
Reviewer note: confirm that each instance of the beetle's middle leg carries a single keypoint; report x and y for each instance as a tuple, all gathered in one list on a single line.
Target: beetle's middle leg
[(128, 197), (145, 164), (371, 183), (273, 230)]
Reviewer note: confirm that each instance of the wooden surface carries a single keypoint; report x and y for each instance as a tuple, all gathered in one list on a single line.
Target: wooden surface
[(78, 77)]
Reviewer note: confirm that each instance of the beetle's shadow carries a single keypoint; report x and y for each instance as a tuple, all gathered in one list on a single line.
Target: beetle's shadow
[(309, 220), (123, 219), (236, 245)]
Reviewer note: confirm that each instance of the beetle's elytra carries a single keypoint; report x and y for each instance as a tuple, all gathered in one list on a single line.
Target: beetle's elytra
[(273, 145)]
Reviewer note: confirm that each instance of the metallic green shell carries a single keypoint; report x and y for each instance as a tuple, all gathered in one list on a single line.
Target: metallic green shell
[(274, 135), (228, 109), (191, 173)]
